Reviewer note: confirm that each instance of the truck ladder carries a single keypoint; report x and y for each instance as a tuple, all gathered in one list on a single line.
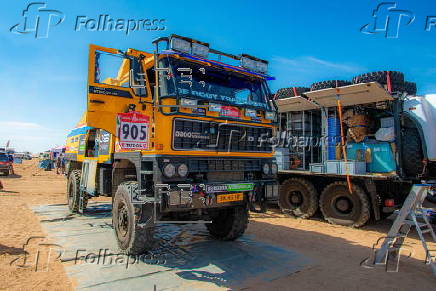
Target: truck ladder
[(408, 216)]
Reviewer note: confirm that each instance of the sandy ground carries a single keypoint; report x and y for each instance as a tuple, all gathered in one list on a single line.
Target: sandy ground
[(336, 251)]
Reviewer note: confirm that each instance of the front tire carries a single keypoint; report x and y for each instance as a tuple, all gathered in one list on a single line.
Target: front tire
[(298, 197), (73, 192), (228, 223), (343, 208), (133, 237)]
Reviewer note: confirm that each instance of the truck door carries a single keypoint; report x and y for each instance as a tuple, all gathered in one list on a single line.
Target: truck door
[(116, 84)]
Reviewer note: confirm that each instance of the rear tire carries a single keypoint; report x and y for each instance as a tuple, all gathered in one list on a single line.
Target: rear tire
[(343, 208), (73, 192), (132, 237), (298, 197), (228, 223)]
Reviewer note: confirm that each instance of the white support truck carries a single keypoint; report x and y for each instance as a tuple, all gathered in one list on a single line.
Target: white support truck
[(355, 159)]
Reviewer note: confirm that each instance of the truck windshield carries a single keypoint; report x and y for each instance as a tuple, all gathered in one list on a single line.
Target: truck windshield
[(188, 79)]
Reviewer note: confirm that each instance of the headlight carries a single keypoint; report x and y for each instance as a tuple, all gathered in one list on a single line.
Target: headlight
[(274, 168), (270, 115), (182, 170), (254, 64), (201, 50), (169, 170), (266, 169), (181, 45)]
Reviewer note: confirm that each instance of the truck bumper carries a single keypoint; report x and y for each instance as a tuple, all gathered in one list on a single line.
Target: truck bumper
[(182, 197)]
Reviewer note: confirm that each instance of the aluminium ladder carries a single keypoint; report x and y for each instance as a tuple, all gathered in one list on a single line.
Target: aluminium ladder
[(409, 214)]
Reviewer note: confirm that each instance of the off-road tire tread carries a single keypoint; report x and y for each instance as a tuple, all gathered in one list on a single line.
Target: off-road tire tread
[(365, 207), (289, 92), (313, 202), (329, 84), (143, 237), (76, 174), (238, 225), (412, 152)]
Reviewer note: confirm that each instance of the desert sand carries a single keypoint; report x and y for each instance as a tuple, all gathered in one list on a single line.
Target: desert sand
[(336, 251)]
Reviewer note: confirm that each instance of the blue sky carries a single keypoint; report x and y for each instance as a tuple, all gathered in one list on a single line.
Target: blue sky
[(43, 81)]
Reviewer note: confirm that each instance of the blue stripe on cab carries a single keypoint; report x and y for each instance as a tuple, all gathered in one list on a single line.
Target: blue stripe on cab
[(80, 130)]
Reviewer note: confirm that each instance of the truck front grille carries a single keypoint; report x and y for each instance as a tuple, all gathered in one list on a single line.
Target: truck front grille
[(191, 134)]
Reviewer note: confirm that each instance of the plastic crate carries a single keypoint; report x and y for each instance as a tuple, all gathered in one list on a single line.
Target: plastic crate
[(332, 167), (317, 168), (352, 167)]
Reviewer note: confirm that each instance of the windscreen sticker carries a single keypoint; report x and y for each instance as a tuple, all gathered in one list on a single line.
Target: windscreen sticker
[(133, 131), (229, 111)]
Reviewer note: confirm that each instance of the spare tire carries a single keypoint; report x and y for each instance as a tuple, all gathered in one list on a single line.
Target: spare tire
[(289, 92), (410, 88), (329, 84), (411, 153), (397, 79)]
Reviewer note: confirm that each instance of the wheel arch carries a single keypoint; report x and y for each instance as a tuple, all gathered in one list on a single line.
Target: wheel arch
[(126, 166)]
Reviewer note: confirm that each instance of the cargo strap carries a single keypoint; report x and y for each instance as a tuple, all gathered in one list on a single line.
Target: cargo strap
[(388, 81)]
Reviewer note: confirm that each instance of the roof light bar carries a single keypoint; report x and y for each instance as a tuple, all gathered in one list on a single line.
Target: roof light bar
[(254, 64), (189, 46)]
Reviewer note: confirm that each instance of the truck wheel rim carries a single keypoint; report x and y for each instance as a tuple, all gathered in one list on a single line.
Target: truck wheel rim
[(343, 205), (296, 198), (123, 220)]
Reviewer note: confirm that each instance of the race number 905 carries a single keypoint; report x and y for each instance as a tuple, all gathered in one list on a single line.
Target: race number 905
[(133, 132)]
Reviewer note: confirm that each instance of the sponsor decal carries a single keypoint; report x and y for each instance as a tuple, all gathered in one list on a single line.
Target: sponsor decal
[(189, 134), (200, 111), (230, 111), (109, 91), (229, 187)]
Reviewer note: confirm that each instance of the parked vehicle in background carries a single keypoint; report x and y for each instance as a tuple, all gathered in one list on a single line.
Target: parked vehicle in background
[(27, 155), (5, 164), (353, 149)]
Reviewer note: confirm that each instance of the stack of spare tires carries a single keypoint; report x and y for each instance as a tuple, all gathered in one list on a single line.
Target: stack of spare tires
[(290, 92), (396, 80)]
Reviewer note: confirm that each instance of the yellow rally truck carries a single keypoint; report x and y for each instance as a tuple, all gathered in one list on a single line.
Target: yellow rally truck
[(174, 136)]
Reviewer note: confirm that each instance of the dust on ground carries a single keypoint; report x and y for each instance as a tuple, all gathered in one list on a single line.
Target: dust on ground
[(335, 250)]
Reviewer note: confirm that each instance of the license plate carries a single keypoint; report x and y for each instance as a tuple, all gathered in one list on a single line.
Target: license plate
[(223, 198)]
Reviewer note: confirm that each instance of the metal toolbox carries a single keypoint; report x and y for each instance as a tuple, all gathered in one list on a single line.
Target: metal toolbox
[(332, 167), (317, 168), (352, 168)]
